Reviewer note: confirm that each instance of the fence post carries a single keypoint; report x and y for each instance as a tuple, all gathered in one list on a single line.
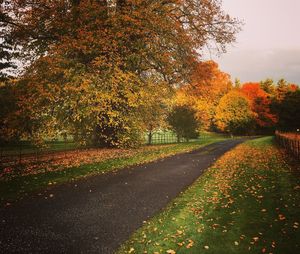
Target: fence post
[(1, 153), (20, 151)]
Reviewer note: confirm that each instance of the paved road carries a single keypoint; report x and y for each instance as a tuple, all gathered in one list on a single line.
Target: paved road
[(97, 214)]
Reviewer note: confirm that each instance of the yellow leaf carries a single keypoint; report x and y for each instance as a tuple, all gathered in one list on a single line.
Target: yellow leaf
[(171, 252), (190, 244)]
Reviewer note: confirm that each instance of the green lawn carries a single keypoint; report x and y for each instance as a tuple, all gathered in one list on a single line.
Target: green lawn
[(25, 147), (12, 188), (248, 202)]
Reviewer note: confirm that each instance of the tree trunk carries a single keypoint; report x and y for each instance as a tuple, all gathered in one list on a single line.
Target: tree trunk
[(150, 137)]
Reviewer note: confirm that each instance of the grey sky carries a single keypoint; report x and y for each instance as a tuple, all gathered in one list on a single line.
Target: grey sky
[(269, 45)]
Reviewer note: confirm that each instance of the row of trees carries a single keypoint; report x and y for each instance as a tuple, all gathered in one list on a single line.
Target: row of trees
[(238, 108), (101, 70)]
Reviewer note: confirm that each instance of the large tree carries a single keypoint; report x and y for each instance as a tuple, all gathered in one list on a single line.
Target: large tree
[(90, 59), (159, 35)]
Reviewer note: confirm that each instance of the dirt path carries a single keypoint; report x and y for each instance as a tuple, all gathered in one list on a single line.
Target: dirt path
[(97, 214)]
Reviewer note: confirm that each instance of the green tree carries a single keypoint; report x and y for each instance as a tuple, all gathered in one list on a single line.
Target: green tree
[(183, 121), (268, 86), (237, 83), (282, 89), (289, 111), (233, 114)]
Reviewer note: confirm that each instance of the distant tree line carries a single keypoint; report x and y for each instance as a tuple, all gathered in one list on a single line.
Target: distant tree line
[(249, 108)]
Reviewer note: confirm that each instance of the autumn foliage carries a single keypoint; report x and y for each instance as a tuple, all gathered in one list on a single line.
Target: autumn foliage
[(207, 85), (234, 114), (105, 72), (92, 64), (260, 104)]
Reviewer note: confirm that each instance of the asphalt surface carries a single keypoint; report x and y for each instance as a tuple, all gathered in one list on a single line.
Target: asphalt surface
[(97, 214)]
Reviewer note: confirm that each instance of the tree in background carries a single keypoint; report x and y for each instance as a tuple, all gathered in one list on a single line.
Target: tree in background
[(183, 122), (268, 86), (289, 111), (8, 104), (207, 86), (237, 83), (234, 114), (260, 105), (5, 43), (282, 89), (280, 106), (155, 109)]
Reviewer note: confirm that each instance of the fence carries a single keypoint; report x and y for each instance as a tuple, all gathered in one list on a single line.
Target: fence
[(290, 142), (161, 137), (24, 152), (18, 152)]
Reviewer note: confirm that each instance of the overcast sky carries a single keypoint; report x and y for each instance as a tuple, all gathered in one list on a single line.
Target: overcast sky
[(269, 45)]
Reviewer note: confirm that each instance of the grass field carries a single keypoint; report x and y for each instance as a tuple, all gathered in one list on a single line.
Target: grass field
[(248, 202), (26, 147), (18, 185)]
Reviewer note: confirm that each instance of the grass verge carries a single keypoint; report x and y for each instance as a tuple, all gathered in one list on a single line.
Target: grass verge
[(12, 188), (248, 202)]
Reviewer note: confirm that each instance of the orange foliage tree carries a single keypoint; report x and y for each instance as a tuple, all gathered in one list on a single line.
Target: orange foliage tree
[(260, 104), (207, 86)]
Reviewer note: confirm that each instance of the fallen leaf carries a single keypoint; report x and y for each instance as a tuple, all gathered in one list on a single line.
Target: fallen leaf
[(190, 244), (179, 232), (171, 252)]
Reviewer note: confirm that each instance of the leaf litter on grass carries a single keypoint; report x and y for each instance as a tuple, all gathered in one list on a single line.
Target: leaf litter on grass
[(245, 203)]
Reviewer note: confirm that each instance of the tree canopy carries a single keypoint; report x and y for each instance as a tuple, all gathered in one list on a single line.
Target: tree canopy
[(207, 86), (260, 104), (233, 114), (90, 62), (288, 111), (183, 122)]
